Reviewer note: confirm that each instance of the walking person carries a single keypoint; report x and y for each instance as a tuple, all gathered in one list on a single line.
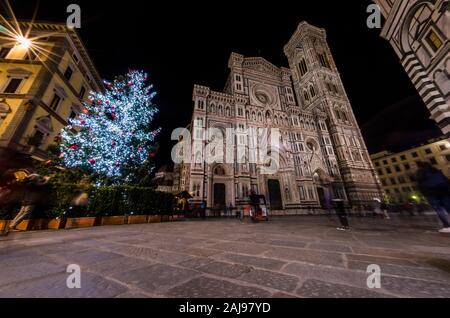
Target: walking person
[(435, 187), (328, 206), (78, 204), (230, 210), (245, 210), (341, 214), (254, 198), (203, 209), (377, 208), (31, 188), (409, 208), (384, 208)]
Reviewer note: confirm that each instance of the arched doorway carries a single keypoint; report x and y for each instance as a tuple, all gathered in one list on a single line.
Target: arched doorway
[(276, 201), (219, 195), (322, 197), (322, 183)]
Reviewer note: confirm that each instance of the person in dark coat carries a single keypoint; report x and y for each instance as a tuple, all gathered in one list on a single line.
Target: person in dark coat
[(435, 187), (339, 207), (385, 208), (31, 189), (254, 199), (203, 209)]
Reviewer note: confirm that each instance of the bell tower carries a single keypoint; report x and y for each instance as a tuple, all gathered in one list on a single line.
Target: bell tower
[(318, 87)]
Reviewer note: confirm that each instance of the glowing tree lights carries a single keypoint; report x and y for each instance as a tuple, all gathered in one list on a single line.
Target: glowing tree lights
[(113, 135)]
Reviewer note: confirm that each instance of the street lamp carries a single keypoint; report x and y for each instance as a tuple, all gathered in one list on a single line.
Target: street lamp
[(23, 42)]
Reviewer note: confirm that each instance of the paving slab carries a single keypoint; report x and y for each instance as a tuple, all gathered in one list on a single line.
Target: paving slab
[(308, 256), (204, 287), (321, 289), (118, 265), (272, 280), (54, 286), (261, 262), (225, 269), (16, 274), (156, 278)]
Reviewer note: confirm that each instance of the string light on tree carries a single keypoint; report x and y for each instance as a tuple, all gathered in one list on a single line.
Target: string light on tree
[(114, 135)]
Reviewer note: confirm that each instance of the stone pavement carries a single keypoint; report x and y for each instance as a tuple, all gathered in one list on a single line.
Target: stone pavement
[(287, 257)]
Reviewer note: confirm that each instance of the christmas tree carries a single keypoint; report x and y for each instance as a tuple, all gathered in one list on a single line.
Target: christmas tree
[(113, 136)]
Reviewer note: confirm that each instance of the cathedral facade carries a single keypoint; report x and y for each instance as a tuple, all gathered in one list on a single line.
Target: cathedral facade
[(321, 153), (419, 32)]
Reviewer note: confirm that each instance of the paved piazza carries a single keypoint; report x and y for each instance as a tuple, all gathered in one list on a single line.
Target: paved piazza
[(287, 257)]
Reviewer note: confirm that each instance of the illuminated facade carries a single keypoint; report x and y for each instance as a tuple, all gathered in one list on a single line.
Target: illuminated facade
[(419, 32), (40, 89), (397, 171), (322, 152)]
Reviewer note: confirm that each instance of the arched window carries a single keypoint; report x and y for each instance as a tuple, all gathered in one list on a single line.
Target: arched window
[(336, 90), (418, 22), (196, 189), (227, 111), (259, 117), (247, 115), (302, 67), (323, 60), (344, 116), (306, 96), (199, 122), (312, 91), (220, 110), (337, 114)]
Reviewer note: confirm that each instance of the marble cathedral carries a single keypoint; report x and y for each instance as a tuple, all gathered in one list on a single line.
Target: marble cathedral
[(322, 153), (419, 32)]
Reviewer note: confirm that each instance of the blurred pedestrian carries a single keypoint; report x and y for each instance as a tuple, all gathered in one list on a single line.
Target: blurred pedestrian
[(341, 214), (377, 207), (203, 209), (409, 207), (384, 208), (247, 211), (435, 186), (328, 205), (31, 188), (230, 210)]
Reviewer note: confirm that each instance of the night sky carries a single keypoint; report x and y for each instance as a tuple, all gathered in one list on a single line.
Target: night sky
[(189, 42)]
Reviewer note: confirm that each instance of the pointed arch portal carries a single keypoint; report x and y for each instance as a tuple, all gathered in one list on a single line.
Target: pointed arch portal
[(275, 198)]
